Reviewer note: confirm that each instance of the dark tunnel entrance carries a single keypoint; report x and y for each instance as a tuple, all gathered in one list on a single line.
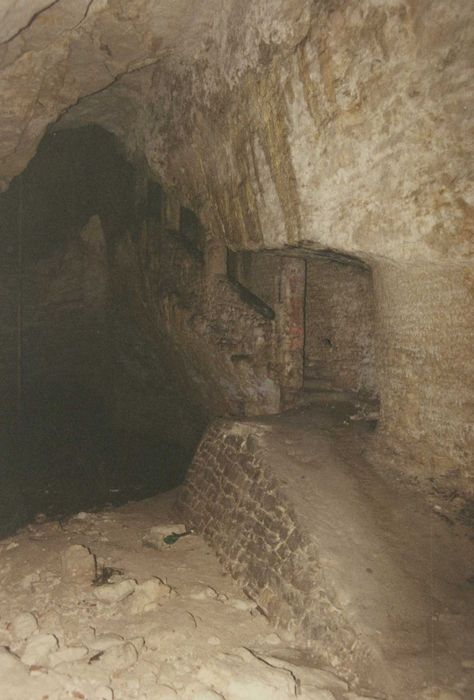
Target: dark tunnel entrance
[(90, 411)]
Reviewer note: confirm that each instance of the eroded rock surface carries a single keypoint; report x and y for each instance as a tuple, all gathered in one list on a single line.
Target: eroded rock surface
[(341, 125), (184, 646)]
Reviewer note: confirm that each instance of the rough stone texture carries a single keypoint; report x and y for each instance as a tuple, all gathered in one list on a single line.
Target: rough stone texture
[(78, 563), (340, 326), (222, 348), (258, 272), (129, 322), (332, 551), (340, 125), (233, 498), (54, 54), (425, 336)]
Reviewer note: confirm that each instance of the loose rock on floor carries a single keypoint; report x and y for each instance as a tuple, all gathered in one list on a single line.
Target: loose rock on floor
[(168, 623)]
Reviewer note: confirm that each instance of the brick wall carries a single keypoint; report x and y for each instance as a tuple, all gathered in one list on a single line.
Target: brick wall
[(236, 501), (339, 345)]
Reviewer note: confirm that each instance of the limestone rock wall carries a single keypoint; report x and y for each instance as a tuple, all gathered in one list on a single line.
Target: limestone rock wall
[(352, 136), (341, 142), (424, 363), (55, 54), (64, 317), (325, 125)]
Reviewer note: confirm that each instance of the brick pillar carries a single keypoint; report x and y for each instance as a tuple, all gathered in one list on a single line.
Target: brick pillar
[(291, 324)]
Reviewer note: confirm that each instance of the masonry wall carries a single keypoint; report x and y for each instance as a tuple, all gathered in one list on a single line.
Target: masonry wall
[(236, 500), (425, 340), (233, 499), (216, 348), (340, 325), (259, 272)]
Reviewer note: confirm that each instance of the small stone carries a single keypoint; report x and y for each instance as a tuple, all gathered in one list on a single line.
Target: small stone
[(78, 563), (11, 546), (81, 516), (149, 594), (24, 625), (9, 663), (468, 663), (214, 641), (38, 649), (115, 592), (168, 529), (138, 643), (119, 658), (245, 605), (242, 675), (155, 537), (67, 655), (203, 593)]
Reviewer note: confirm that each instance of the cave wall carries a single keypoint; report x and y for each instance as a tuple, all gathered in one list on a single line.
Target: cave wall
[(356, 141), (220, 347), (424, 363), (341, 141), (126, 299), (54, 277), (64, 328), (68, 214), (327, 125)]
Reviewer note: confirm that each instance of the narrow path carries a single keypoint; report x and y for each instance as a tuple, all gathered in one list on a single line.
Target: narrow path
[(402, 572)]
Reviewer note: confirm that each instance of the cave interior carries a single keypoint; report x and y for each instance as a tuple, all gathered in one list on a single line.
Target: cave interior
[(238, 270)]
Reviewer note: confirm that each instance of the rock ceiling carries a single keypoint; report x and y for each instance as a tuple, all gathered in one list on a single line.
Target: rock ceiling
[(323, 123), (53, 54)]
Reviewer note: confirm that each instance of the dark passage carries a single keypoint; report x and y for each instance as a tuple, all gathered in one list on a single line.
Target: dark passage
[(91, 407)]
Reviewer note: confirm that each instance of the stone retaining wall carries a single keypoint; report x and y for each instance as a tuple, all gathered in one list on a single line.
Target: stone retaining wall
[(232, 497)]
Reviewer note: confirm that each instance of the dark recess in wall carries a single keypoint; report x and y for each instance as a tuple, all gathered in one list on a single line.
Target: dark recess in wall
[(62, 449)]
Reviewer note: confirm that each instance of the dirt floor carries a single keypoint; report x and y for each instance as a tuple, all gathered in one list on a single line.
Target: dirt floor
[(96, 606), (400, 564), (160, 622)]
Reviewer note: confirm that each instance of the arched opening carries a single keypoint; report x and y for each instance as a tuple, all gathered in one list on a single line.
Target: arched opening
[(91, 412)]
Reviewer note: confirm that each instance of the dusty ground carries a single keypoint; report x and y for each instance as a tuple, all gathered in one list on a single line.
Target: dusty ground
[(401, 563), (168, 624)]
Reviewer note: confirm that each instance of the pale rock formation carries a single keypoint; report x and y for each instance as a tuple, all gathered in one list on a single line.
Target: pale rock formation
[(78, 564), (148, 595), (24, 625), (112, 593), (38, 649)]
